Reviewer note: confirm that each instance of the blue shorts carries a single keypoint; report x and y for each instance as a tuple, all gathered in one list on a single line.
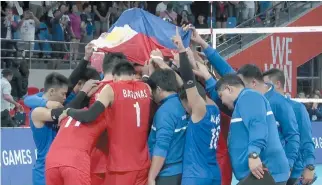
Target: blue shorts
[(199, 181), (38, 177)]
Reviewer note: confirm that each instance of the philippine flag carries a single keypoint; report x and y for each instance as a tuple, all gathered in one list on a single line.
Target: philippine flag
[(137, 32)]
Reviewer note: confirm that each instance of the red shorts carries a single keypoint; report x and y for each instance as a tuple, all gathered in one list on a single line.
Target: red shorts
[(98, 161), (122, 178), (66, 176)]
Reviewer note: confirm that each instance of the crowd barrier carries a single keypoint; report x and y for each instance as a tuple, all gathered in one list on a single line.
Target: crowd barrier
[(18, 153)]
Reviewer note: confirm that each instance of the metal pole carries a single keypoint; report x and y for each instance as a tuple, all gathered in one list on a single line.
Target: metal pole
[(211, 25), (29, 53)]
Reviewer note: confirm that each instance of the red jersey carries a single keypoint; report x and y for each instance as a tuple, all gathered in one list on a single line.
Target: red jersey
[(74, 142), (128, 126)]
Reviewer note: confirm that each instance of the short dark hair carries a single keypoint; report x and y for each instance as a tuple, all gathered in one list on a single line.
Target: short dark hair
[(165, 79), (110, 60), (251, 71), (55, 79), (229, 79), (90, 73), (85, 5), (201, 90), (6, 72), (276, 75), (123, 68)]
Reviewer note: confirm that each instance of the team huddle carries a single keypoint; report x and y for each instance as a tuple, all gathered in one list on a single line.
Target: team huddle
[(107, 132)]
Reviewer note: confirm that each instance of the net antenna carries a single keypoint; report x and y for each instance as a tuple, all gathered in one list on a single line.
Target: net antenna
[(263, 30)]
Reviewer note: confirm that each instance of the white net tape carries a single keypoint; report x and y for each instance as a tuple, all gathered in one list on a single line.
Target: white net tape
[(268, 30), (307, 100)]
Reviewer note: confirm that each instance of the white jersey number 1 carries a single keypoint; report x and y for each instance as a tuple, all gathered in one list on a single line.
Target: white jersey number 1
[(138, 114)]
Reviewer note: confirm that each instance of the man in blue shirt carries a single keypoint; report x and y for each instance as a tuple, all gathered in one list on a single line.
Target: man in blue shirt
[(253, 139), (304, 165), (200, 166), (167, 136), (41, 123), (282, 109)]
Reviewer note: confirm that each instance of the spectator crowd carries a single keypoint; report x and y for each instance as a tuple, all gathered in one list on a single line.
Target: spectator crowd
[(80, 22), (314, 109)]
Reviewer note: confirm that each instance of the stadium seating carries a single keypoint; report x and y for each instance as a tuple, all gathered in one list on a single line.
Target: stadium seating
[(33, 90)]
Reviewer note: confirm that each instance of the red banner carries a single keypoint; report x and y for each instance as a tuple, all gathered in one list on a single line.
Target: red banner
[(285, 51)]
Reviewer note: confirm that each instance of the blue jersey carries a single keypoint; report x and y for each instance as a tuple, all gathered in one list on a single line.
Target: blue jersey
[(199, 159), (168, 133), (43, 137)]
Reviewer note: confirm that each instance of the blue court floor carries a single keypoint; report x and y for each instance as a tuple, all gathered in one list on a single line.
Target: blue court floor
[(317, 182)]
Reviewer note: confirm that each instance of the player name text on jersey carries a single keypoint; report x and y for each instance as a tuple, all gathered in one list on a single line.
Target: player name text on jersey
[(134, 94)]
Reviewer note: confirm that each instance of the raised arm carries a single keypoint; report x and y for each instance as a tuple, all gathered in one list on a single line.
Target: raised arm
[(202, 72), (198, 104), (219, 63), (80, 68)]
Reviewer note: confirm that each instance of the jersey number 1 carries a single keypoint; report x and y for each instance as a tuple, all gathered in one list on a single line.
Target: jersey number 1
[(138, 113)]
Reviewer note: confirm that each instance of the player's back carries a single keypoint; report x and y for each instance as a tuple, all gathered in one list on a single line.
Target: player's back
[(128, 126), (76, 141), (200, 148)]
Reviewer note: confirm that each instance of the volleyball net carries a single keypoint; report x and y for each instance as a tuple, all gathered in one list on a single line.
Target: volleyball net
[(285, 48)]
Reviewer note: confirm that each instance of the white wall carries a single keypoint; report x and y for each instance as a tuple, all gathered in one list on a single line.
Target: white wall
[(37, 76)]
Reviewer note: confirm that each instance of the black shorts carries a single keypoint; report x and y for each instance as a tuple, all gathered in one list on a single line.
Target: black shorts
[(221, 18), (291, 181), (170, 180)]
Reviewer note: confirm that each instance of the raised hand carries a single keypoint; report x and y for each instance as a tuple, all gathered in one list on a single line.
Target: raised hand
[(89, 49), (148, 68), (191, 58), (202, 71), (89, 84), (195, 37), (178, 41), (176, 60), (157, 59)]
